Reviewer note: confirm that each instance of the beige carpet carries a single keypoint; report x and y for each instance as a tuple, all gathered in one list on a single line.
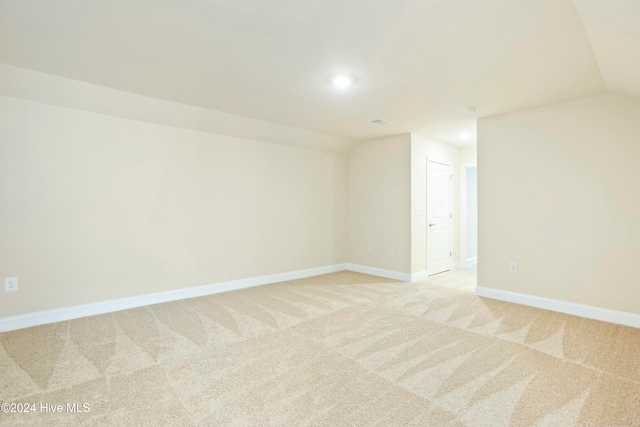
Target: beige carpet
[(340, 349)]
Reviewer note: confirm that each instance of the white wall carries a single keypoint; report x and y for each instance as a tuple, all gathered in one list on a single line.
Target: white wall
[(423, 149), (107, 195), (558, 195), (380, 203), (95, 207), (387, 182)]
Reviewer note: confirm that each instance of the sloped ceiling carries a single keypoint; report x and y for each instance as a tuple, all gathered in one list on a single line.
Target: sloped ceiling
[(613, 28), (418, 64)]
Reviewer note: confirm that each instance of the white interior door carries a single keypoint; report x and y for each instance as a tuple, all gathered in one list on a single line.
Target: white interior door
[(439, 217)]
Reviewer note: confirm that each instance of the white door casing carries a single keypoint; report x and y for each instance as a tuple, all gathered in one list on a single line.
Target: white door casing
[(439, 218), (469, 215)]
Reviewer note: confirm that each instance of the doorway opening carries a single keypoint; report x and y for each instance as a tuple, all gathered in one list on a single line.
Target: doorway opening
[(469, 220)]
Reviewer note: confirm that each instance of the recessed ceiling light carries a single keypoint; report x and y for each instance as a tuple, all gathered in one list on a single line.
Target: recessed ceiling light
[(470, 110), (465, 135), (342, 81)]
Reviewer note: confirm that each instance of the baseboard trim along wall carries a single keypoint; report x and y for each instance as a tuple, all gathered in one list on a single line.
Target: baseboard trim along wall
[(588, 311), (68, 313), (387, 274), (75, 312)]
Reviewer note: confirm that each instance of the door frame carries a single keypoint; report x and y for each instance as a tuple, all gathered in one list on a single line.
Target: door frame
[(426, 216), (463, 211)]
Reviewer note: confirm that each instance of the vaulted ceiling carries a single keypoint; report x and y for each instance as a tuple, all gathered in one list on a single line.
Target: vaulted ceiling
[(417, 64)]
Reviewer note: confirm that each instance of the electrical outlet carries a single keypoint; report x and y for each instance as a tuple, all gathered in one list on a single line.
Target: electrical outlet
[(369, 249), (276, 255), (11, 284), (513, 268)]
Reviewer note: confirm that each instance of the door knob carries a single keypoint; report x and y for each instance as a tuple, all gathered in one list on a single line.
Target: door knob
[(431, 225)]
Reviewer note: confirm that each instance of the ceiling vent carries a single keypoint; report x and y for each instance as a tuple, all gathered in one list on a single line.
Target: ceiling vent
[(379, 122)]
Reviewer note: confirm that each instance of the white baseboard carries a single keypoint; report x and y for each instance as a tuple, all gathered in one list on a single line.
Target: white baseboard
[(68, 313), (588, 311), (389, 274)]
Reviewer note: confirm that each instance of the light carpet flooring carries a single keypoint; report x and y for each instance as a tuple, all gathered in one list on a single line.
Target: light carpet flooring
[(340, 349)]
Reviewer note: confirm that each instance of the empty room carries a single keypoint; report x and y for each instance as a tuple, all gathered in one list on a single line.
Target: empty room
[(320, 213)]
